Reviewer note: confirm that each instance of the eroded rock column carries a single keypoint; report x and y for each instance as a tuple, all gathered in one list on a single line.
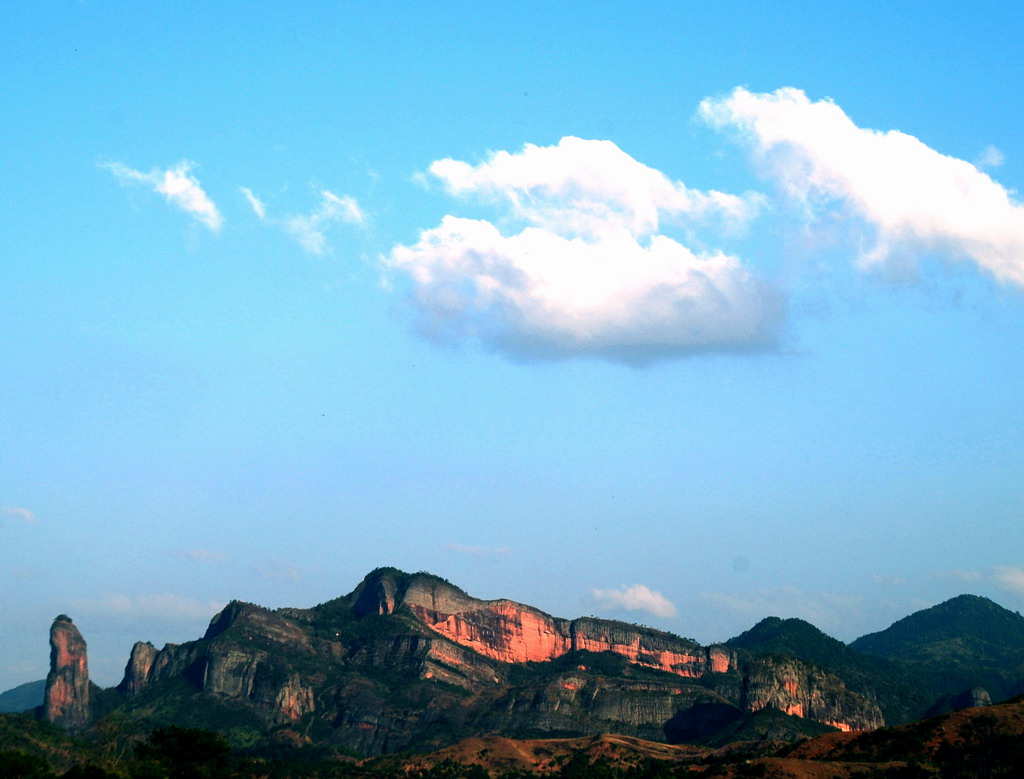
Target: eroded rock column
[(66, 700)]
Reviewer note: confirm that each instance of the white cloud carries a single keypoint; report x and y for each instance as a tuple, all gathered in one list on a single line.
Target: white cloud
[(588, 273), (19, 513), (991, 157), (167, 607), (309, 229), (254, 202), (911, 199), (635, 597), (587, 188), (179, 186), (1009, 578)]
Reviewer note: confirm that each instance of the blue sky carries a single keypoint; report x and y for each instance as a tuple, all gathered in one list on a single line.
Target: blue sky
[(685, 315)]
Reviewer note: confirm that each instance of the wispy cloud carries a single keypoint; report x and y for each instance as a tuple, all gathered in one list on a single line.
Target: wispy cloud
[(178, 186), (17, 512), (205, 556), (826, 610), (310, 229), (167, 607), (991, 157), (478, 551), (257, 205), (279, 570), (1009, 578), (910, 200), (962, 575), (635, 597), (590, 272)]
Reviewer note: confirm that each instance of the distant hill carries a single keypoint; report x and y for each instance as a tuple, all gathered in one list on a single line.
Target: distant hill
[(23, 697), (965, 642), (897, 689)]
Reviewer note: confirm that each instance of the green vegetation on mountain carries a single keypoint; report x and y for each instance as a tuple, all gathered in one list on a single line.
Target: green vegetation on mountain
[(177, 702), (962, 628), (965, 642), (23, 734)]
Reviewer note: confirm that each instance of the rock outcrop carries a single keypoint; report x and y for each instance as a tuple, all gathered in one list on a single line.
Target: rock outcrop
[(245, 665), (802, 690), (136, 672), (968, 699), (66, 698)]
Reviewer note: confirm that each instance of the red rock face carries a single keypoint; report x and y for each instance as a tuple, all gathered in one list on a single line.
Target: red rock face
[(66, 700), (513, 633), (721, 659), (506, 632), (651, 649)]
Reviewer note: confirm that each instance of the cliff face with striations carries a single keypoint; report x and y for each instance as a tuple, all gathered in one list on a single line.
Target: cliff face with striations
[(66, 698), (411, 661), (792, 686), (246, 665)]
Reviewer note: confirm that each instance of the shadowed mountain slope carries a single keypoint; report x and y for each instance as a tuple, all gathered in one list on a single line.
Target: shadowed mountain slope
[(23, 697)]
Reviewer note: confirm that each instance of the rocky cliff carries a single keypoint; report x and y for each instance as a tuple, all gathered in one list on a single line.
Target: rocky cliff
[(411, 661), (136, 672), (66, 698), (514, 633), (249, 664)]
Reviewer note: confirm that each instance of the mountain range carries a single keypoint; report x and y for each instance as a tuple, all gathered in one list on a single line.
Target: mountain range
[(410, 662)]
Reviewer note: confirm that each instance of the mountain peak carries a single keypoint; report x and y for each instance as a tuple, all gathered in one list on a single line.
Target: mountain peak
[(385, 589), (965, 632), (965, 620), (787, 636)]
